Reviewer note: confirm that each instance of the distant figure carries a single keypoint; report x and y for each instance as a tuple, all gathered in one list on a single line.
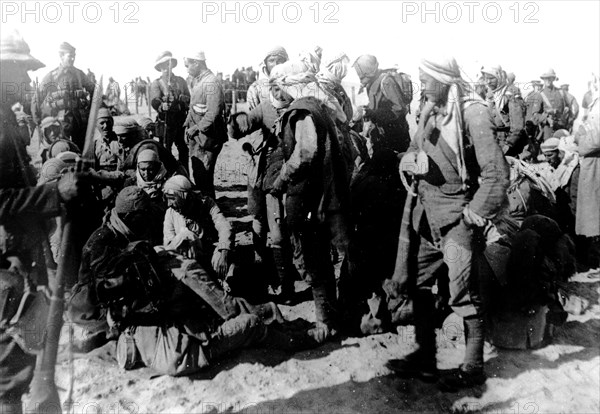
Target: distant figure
[(113, 93), (140, 91), (91, 76), (572, 108)]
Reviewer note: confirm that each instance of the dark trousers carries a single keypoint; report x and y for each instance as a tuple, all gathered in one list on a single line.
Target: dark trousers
[(455, 250), (176, 135), (202, 167)]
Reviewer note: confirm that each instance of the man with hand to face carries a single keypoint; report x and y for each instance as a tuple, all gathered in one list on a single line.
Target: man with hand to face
[(194, 224)]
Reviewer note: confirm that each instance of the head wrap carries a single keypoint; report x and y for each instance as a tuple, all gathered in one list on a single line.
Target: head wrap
[(68, 157), (62, 145), (177, 184), (366, 65), (335, 69), (46, 123), (311, 61), (147, 155), (131, 199), (446, 71), (66, 48), (278, 51), (551, 144), (291, 78), (51, 170), (499, 94)]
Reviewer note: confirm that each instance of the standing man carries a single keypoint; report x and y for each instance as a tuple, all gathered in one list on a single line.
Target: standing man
[(462, 189), (206, 128), (506, 110), (170, 97), (113, 94), (313, 178), (22, 205), (66, 93), (572, 105), (259, 90), (387, 107), (548, 110)]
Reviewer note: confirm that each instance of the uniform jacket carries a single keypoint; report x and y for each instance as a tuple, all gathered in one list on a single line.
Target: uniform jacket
[(159, 92), (441, 191), (63, 84), (207, 109)]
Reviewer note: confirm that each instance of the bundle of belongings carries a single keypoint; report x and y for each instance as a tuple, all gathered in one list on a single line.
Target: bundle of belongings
[(523, 271)]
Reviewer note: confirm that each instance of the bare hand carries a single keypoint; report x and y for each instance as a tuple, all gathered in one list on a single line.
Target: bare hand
[(73, 183), (473, 219), (220, 263)]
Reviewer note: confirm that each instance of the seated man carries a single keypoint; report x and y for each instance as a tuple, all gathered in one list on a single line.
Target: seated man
[(105, 257), (150, 174), (193, 224), (108, 150), (125, 283)]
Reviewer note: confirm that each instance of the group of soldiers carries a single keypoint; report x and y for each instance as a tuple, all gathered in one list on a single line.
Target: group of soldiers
[(386, 227)]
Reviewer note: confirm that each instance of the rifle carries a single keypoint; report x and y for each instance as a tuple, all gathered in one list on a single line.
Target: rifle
[(44, 394), (168, 94)]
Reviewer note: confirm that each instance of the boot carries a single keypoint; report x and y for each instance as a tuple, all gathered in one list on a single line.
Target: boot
[(470, 373), (326, 325), (421, 363), (285, 272)]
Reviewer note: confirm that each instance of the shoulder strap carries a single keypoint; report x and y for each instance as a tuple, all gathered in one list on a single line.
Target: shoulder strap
[(546, 100)]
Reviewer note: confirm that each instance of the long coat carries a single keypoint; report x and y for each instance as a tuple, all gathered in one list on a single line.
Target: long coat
[(587, 221)]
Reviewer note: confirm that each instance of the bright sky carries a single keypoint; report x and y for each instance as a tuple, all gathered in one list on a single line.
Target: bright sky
[(565, 37)]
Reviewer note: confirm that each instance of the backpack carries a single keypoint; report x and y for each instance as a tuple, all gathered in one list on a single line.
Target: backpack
[(405, 85)]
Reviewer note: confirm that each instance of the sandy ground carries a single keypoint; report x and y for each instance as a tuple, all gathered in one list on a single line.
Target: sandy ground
[(348, 376)]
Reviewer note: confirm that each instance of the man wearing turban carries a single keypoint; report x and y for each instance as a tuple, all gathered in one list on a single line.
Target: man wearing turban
[(387, 108), (314, 178), (506, 110), (462, 183)]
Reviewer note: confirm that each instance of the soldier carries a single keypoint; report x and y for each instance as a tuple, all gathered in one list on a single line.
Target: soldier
[(548, 110), (170, 97), (572, 105), (460, 187), (66, 93), (206, 128), (22, 204), (387, 108)]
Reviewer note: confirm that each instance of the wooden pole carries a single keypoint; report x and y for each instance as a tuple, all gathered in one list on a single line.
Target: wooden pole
[(233, 101), (126, 99), (148, 101)]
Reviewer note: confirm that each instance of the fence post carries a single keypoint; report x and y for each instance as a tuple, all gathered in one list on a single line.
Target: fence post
[(148, 101)]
